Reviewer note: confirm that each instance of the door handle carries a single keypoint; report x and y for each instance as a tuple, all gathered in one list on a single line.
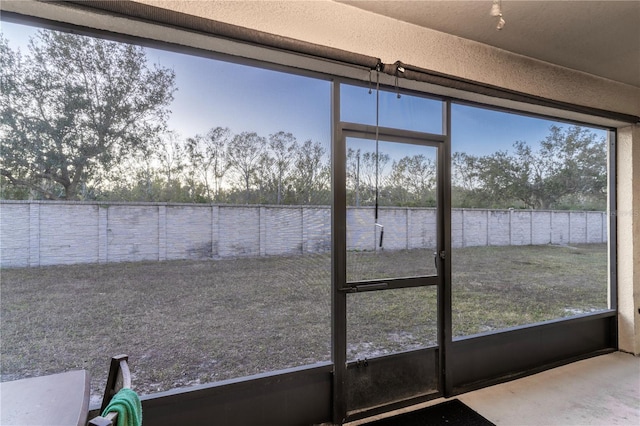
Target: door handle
[(370, 287)]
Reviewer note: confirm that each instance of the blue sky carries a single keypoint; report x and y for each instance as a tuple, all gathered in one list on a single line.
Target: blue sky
[(482, 131), (214, 93)]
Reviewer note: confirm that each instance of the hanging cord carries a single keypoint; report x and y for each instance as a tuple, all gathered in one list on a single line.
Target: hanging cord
[(377, 136), (377, 225)]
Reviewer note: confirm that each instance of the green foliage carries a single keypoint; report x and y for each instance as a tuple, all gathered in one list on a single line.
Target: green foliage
[(276, 168), (12, 192), (245, 153), (567, 171), (412, 182), (74, 106), (311, 174)]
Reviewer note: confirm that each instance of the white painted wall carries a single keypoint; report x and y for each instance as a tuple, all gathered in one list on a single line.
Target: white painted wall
[(628, 239)]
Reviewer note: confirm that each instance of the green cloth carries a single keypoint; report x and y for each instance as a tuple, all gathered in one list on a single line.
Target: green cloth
[(127, 404)]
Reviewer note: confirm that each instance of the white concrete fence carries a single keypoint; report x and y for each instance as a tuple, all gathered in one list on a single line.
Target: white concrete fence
[(34, 233)]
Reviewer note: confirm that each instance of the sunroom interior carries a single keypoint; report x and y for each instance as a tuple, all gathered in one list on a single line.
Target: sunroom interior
[(415, 201)]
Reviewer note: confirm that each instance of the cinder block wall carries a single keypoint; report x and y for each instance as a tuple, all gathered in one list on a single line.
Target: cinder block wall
[(53, 233)]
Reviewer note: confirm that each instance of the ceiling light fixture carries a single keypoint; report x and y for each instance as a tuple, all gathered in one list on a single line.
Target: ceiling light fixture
[(496, 10)]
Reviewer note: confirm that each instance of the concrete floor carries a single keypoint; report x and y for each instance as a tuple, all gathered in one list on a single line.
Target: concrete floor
[(604, 390)]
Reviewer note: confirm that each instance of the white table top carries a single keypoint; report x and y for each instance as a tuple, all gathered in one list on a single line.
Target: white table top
[(57, 399)]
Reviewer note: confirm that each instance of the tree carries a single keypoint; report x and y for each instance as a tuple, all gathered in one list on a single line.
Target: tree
[(74, 105), (353, 173), (283, 147), (244, 153), (275, 166), (311, 176), (147, 183), (466, 190), (365, 172), (208, 158), (171, 154), (412, 181), (568, 170), (503, 180), (571, 163)]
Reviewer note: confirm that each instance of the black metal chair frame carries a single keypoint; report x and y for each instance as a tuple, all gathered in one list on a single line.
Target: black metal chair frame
[(119, 378)]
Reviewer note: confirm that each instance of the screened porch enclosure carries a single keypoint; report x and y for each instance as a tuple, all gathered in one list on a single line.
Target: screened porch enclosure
[(318, 245)]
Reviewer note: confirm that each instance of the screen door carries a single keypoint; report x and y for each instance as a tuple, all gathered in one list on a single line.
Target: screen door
[(391, 284)]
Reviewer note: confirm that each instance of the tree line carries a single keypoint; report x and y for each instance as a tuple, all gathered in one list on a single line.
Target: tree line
[(567, 171), (85, 119), (222, 167)]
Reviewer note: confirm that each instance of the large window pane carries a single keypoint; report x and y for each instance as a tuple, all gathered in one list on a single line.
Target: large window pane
[(529, 222), (167, 206)]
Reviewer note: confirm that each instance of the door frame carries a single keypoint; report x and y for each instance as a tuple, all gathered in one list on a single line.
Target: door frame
[(340, 289)]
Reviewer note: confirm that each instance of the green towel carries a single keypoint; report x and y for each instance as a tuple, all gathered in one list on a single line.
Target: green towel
[(127, 404)]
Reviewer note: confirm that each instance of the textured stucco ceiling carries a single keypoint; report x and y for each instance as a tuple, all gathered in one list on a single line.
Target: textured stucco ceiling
[(598, 37)]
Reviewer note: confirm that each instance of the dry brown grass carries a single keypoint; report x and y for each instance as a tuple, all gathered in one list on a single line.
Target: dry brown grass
[(191, 322)]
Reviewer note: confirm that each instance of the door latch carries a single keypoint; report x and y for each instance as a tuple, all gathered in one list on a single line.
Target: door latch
[(442, 254)]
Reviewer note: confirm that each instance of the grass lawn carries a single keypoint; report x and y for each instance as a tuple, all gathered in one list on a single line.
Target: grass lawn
[(190, 322)]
